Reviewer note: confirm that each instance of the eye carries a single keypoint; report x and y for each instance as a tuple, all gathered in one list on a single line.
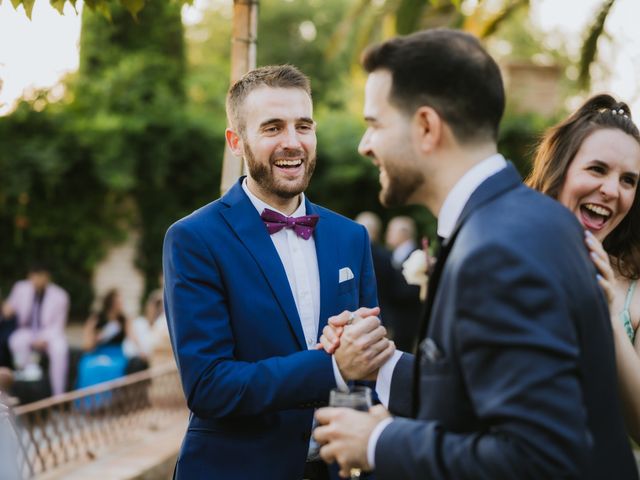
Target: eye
[(271, 129), (629, 180), (597, 169), (305, 127)]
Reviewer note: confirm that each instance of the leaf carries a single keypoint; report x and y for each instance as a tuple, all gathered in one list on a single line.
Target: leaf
[(133, 6), (16, 3), (103, 8), (28, 7), (58, 5)]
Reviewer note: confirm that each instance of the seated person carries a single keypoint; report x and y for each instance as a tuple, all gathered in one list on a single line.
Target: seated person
[(41, 309), (149, 336), (104, 334)]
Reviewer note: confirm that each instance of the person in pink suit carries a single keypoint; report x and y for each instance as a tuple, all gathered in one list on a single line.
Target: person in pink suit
[(41, 308)]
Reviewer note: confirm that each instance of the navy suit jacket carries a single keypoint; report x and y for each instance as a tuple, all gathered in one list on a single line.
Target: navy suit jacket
[(250, 381), (515, 375)]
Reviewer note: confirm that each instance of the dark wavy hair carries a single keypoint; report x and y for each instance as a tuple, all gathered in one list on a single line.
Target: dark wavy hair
[(107, 304), (556, 151)]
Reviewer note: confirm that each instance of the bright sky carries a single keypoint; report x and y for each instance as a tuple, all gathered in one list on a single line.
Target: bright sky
[(38, 52)]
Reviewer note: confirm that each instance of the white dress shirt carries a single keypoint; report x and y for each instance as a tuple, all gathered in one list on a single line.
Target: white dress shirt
[(451, 209), (300, 262)]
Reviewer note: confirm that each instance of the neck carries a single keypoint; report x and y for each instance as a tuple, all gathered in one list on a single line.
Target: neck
[(284, 205), (455, 162)]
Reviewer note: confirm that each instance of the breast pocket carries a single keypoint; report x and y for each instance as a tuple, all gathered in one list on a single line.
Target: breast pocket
[(347, 286)]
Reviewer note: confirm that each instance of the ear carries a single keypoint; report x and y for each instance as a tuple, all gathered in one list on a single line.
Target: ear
[(429, 126), (234, 142)]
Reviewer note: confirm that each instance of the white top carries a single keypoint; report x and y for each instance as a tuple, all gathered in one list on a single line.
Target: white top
[(451, 209)]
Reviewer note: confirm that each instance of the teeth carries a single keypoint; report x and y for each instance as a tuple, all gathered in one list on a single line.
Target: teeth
[(597, 209), (288, 163)]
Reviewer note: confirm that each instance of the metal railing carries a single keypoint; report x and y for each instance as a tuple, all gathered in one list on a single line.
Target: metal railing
[(79, 425)]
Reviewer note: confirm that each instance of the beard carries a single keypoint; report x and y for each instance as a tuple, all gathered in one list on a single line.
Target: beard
[(402, 182), (263, 174)]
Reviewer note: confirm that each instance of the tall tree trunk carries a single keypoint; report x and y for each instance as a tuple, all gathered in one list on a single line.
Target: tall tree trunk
[(243, 59)]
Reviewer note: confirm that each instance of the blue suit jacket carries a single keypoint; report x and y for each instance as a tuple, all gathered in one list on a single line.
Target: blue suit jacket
[(250, 382), (515, 375)]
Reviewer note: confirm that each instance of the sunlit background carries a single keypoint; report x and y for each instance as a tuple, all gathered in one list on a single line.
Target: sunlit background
[(37, 53)]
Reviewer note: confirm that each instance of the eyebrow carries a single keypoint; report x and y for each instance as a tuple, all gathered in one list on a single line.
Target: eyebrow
[(600, 163), (271, 121)]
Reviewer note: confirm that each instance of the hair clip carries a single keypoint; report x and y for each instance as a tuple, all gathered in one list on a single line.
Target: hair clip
[(619, 111)]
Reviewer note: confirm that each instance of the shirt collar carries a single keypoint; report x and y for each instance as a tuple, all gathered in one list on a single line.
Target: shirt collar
[(461, 192), (260, 205)]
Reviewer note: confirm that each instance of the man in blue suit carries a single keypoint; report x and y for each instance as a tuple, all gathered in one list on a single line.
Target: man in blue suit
[(250, 281), (514, 376)]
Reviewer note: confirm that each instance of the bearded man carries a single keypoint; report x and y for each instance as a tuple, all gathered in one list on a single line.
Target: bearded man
[(251, 280)]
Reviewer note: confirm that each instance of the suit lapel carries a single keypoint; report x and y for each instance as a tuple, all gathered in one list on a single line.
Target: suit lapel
[(327, 254), (245, 221), (506, 179)]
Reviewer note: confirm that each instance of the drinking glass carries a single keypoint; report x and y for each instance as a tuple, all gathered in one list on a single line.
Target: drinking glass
[(358, 398)]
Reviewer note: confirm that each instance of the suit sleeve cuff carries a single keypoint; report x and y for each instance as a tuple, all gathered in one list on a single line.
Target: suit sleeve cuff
[(340, 383), (383, 381), (373, 441)]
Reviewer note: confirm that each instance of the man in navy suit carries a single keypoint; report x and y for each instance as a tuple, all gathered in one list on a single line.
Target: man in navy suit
[(250, 281), (514, 376)]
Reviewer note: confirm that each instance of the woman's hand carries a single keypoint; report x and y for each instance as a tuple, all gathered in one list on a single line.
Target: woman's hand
[(600, 258)]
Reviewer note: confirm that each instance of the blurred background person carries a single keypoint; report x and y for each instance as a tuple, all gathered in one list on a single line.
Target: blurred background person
[(385, 273), (103, 337), (7, 326), (41, 308), (148, 342), (404, 306)]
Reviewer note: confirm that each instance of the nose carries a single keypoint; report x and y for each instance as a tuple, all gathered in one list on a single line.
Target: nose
[(291, 139), (364, 147), (609, 187)]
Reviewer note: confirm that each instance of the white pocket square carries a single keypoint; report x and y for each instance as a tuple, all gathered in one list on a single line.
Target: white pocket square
[(344, 274)]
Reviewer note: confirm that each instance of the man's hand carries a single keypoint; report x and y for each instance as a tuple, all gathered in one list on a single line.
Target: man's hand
[(330, 339), (363, 349), (344, 434)]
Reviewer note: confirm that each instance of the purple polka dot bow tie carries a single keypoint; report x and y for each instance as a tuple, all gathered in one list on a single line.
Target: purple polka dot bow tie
[(302, 226)]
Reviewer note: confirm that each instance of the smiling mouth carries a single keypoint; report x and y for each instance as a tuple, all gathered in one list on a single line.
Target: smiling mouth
[(593, 216), (288, 163)]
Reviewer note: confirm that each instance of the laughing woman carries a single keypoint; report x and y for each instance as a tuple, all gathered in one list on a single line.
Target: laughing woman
[(591, 163)]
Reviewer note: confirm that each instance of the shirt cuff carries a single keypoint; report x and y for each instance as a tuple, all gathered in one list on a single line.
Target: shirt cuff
[(373, 441), (340, 383), (383, 381)]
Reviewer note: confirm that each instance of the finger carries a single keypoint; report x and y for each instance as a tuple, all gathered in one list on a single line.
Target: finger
[(374, 336), (325, 415), (383, 356), (321, 434), (377, 348), (379, 411), (328, 453), (603, 265), (362, 327), (340, 320), (332, 334), (367, 312), (329, 347)]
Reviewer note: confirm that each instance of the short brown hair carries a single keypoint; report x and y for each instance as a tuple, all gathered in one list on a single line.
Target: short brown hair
[(274, 76), (447, 70), (556, 151)]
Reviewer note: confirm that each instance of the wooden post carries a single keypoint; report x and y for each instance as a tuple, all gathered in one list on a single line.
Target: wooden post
[(243, 59)]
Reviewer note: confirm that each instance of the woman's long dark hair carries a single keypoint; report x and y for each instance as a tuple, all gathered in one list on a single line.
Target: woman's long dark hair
[(107, 304)]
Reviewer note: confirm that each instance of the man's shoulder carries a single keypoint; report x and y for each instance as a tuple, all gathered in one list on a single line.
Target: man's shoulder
[(204, 215)]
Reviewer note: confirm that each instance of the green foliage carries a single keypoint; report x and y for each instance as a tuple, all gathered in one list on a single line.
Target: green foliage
[(103, 7), (122, 151)]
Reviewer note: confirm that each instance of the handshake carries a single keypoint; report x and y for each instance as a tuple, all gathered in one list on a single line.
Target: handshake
[(358, 343)]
